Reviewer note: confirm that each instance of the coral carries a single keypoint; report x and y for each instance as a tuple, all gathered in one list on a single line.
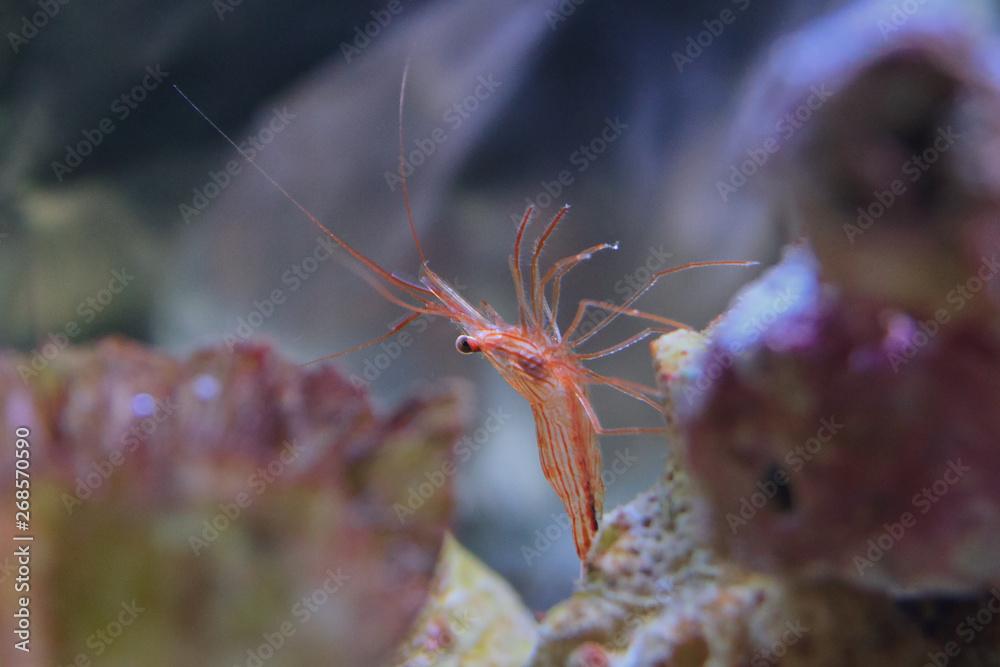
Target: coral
[(232, 507), (845, 417), (893, 175), (841, 438), (644, 559), (656, 594), (472, 617)]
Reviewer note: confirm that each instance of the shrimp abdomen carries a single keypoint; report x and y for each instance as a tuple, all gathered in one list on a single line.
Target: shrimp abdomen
[(571, 461)]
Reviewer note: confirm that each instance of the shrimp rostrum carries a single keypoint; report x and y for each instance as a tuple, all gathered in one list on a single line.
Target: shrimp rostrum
[(533, 355)]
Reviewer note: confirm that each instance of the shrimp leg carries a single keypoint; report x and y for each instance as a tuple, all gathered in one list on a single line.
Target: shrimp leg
[(559, 269), (623, 309), (595, 423), (631, 389), (402, 324), (616, 310), (625, 344)]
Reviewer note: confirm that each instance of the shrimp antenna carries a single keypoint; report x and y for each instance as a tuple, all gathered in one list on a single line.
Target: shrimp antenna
[(515, 268), (402, 166), (420, 293), (537, 293)]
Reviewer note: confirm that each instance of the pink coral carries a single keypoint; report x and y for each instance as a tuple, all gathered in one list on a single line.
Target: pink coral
[(246, 506)]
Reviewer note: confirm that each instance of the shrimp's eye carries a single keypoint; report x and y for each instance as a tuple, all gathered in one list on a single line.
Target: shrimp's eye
[(466, 345)]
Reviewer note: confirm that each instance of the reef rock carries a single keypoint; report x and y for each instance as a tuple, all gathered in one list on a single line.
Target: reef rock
[(231, 508), (472, 617), (656, 594)]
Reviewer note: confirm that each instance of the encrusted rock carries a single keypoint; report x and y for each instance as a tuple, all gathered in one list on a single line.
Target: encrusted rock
[(472, 617), (245, 509), (692, 607), (843, 438), (844, 423), (892, 170)]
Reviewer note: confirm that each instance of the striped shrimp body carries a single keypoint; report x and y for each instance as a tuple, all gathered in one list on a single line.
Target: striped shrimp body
[(534, 356), (567, 439), (546, 375), (541, 363), (571, 460)]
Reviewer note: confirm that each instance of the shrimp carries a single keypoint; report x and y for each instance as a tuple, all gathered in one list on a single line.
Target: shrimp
[(537, 359)]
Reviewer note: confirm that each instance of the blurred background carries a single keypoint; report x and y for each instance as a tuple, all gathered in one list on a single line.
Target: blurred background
[(123, 211)]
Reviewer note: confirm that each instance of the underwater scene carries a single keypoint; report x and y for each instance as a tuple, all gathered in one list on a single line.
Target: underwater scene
[(539, 333)]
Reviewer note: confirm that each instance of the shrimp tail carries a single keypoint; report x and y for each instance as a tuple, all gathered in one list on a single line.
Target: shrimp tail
[(571, 462)]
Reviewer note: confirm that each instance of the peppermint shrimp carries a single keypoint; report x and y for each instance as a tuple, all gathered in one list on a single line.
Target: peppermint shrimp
[(533, 355)]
